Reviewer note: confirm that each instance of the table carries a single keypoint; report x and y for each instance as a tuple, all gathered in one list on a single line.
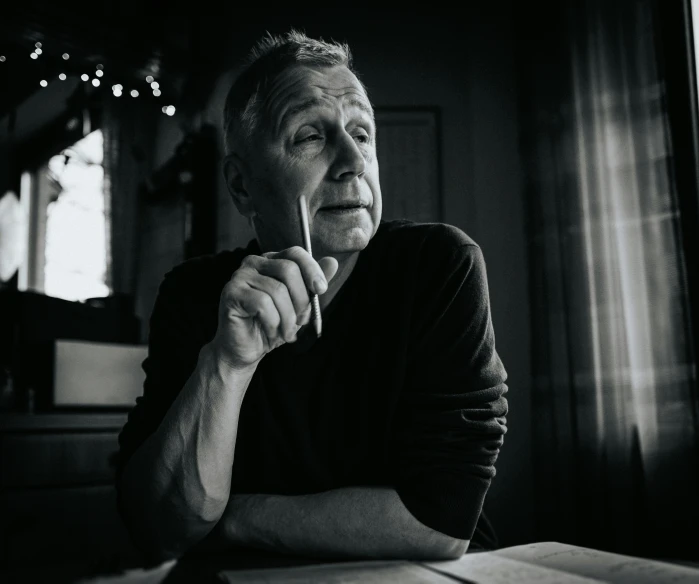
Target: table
[(535, 563)]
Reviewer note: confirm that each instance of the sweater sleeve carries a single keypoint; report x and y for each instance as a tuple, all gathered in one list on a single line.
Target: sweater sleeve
[(450, 421)]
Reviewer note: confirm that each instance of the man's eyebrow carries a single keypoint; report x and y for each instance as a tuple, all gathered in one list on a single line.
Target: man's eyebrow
[(300, 107), (312, 102), (362, 105)]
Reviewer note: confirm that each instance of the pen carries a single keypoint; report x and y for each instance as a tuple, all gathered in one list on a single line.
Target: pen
[(307, 244)]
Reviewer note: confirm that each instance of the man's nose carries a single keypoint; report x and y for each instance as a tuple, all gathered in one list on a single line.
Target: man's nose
[(349, 160)]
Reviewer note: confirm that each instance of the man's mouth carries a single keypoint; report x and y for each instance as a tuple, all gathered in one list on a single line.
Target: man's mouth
[(343, 207)]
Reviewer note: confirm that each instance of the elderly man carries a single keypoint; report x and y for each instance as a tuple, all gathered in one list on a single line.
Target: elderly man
[(377, 439)]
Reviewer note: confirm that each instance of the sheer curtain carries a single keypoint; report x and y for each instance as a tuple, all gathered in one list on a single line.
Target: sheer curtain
[(615, 427)]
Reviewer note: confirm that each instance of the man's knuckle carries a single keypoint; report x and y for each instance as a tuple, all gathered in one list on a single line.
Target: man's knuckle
[(277, 286), (287, 268)]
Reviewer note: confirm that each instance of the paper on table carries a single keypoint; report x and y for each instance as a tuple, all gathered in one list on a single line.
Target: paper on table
[(371, 572), (549, 562), (488, 568), (606, 566), (135, 576)]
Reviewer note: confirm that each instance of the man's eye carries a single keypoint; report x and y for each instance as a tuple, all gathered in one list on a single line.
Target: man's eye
[(362, 137), (310, 138)]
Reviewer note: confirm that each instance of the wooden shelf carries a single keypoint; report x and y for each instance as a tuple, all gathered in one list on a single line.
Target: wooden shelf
[(92, 421)]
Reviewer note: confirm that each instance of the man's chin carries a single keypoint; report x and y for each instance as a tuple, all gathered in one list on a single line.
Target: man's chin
[(347, 242)]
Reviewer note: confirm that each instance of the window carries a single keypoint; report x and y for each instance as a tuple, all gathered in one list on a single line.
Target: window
[(64, 205)]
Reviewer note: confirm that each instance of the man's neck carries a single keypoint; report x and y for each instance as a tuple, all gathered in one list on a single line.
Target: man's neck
[(346, 264)]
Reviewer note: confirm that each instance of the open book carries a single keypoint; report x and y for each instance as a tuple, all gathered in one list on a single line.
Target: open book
[(537, 563), (551, 562)]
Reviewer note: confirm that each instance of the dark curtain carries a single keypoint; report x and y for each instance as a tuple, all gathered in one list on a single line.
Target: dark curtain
[(614, 389)]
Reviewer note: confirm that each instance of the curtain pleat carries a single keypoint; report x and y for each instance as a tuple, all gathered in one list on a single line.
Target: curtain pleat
[(614, 434)]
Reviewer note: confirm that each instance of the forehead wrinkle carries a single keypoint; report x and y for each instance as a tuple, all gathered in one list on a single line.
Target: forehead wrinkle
[(348, 97), (285, 88)]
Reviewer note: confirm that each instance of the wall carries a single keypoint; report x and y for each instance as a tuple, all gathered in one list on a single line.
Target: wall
[(468, 71)]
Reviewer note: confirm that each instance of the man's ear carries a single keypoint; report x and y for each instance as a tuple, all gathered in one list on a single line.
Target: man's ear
[(235, 171)]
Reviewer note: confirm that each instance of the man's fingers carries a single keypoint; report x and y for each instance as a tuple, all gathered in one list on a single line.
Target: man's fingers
[(259, 305), (305, 316), (313, 275), (279, 293), (329, 266), (289, 273)]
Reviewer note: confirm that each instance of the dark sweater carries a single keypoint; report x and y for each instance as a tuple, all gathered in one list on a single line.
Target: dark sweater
[(403, 389)]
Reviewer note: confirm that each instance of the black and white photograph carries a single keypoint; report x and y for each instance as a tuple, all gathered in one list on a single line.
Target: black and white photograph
[(349, 293)]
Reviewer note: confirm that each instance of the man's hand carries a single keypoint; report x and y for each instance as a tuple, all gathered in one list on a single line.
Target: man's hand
[(266, 302)]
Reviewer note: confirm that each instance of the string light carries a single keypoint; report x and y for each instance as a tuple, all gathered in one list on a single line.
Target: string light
[(95, 79)]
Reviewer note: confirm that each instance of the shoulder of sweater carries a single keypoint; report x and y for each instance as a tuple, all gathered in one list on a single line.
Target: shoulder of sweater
[(427, 240), (199, 277)]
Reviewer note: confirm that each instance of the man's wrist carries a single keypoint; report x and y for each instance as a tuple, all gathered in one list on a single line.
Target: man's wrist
[(212, 358)]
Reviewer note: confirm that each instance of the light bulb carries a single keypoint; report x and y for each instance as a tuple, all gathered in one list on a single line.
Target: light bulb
[(99, 67), (2, 58), (38, 51), (65, 56), (43, 83), (170, 111), (34, 56), (156, 92), (62, 76), (84, 77), (134, 93), (155, 85), (99, 73), (149, 79), (96, 82)]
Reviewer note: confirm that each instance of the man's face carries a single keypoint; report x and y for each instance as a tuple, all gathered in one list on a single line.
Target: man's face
[(317, 138)]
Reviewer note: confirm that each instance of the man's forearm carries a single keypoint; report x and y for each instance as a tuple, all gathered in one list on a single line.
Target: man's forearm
[(351, 522), (175, 487)]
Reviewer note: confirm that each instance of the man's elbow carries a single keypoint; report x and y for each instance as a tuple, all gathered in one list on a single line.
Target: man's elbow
[(165, 531), (450, 549)]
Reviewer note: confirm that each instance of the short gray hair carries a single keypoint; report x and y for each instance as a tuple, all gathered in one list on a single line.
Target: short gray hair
[(269, 57)]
